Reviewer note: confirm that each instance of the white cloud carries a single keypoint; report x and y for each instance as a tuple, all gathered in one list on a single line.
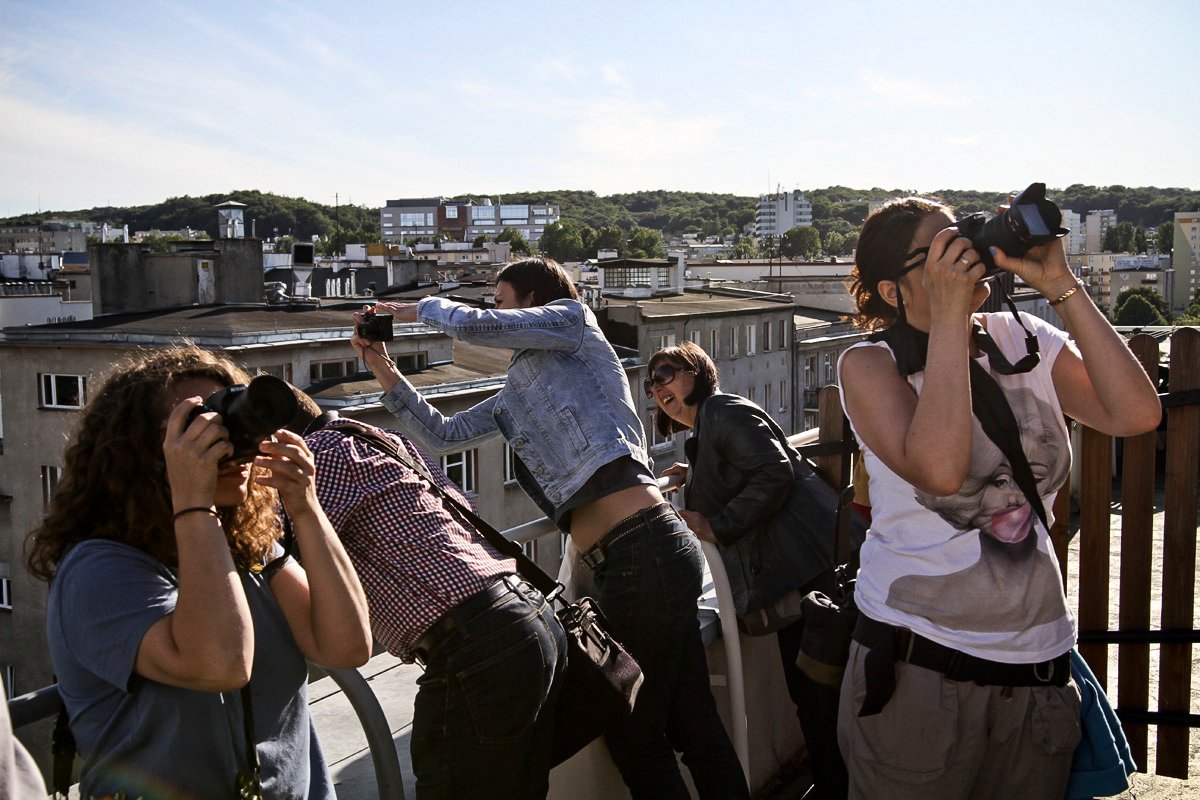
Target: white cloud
[(910, 94)]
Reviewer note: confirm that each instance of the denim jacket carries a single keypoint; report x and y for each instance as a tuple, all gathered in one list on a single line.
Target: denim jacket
[(565, 408)]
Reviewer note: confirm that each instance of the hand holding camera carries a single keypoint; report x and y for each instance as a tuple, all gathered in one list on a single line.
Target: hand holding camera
[(194, 446), (289, 469)]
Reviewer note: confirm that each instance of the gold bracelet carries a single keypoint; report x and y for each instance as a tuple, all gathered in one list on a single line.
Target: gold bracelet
[(1062, 297)]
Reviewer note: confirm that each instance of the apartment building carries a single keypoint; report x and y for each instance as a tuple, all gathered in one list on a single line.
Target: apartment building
[(1076, 240), (1185, 259), (820, 339), (776, 214), (1096, 225), (747, 333), (463, 220), (1095, 270), (1142, 272)]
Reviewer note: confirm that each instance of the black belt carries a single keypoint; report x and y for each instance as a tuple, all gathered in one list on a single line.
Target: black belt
[(443, 626), (888, 644), (595, 557)]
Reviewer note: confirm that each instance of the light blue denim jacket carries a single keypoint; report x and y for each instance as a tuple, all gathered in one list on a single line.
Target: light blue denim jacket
[(565, 407)]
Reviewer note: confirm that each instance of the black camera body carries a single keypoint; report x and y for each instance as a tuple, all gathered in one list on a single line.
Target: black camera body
[(375, 327), (251, 413), (1029, 221)]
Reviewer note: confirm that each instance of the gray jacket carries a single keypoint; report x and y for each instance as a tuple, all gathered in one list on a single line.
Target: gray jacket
[(565, 408)]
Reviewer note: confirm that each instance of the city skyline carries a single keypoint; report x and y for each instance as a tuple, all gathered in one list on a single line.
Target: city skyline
[(372, 100)]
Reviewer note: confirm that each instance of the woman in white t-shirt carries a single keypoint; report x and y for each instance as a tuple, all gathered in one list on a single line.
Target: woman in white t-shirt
[(958, 684)]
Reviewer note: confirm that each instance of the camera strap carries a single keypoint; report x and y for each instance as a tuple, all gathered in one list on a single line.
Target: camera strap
[(988, 402)]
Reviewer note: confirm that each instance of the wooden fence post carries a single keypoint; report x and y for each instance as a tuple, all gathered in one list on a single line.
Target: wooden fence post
[(1179, 551), (1137, 546), (1095, 517)]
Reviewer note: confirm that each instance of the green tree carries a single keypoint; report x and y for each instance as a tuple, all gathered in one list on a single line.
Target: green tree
[(1149, 295), (835, 243), (1138, 311), (1119, 238), (1166, 237), (768, 247), (562, 241), (849, 242), (515, 240), (1139, 240), (284, 244), (803, 242), (609, 237), (480, 240), (744, 247), (645, 243)]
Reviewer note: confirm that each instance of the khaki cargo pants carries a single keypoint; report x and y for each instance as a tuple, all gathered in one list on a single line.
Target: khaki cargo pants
[(944, 740)]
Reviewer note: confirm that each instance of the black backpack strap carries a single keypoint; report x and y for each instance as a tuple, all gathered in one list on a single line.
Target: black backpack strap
[(548, 586), (63, 747)]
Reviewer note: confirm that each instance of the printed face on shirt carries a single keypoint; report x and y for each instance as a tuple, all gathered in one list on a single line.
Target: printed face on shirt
[(990, 498)]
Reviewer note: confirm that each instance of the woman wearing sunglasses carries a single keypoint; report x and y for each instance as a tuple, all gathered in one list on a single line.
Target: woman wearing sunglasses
[(958, 680), (567, 412), (750, 493)]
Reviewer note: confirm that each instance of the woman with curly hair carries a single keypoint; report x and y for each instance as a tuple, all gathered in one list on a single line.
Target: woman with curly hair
[(162, 604)]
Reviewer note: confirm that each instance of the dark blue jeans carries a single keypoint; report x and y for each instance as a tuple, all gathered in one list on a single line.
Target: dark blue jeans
[(649, 583), (484, 714)]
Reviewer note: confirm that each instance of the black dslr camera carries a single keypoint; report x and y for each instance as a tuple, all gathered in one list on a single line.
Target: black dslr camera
[(251, 413), (1029, 221), (374, 327)]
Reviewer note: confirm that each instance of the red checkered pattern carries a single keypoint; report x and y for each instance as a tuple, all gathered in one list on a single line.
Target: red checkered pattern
[(415, 560)]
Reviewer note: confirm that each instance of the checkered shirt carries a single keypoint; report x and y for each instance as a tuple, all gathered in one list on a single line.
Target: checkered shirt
[(414, 559)]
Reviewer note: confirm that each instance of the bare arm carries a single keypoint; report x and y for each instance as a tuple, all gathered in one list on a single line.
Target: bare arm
[(926, 440), (1107, 389), (207, 641), (323, 601)]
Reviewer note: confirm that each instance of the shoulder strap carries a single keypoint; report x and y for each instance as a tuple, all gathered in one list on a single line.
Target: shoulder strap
[(529, 570)]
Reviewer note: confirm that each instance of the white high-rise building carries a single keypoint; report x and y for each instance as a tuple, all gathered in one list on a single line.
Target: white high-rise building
[(776, 214), (1076, 239)]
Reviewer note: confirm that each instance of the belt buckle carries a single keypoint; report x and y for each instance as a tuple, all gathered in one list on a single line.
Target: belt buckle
[(1049, 671), (593, 558)]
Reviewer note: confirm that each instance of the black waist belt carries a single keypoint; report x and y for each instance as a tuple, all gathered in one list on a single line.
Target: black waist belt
[(445, 625), (888, 644), (594, 557)]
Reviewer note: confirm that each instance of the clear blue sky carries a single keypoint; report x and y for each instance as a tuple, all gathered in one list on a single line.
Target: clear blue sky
[(128, 103)]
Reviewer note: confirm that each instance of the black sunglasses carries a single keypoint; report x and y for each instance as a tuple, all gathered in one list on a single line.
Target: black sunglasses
[(663, 377)]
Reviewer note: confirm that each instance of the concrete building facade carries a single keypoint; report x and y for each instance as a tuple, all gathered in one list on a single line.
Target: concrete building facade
[(463, 220), (776, 214), (1096, 225), (1185, 259)]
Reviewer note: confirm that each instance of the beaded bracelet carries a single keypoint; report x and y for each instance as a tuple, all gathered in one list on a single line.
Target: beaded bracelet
[(204, 509), (1062, 297)]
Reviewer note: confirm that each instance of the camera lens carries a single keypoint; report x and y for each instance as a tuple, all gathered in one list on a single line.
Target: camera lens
[(271, 404)]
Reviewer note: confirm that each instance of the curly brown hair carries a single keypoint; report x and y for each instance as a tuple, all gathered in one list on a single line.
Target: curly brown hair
[(879, 254), (114, 482)]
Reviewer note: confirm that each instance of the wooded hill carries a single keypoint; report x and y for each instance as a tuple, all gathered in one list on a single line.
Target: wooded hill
[(836, 208)]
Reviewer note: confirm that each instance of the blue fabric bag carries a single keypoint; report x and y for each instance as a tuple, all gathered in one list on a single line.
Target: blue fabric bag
[(1102, 763)]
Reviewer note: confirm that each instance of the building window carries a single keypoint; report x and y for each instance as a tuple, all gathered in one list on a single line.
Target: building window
[(530, 549), (733, 341), (766, 337), (451, 212), (783, 398), (6, 594), (694, 336), (10, 680), (50, 476), (510, 464), (411, 362), (282, 371), (61, 391), (828, 370), (661, 341), (783, 342), (713, 336), (751, 336), (329, 370), (753, 394), (460, 468), (656, 438), (767, 397)]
